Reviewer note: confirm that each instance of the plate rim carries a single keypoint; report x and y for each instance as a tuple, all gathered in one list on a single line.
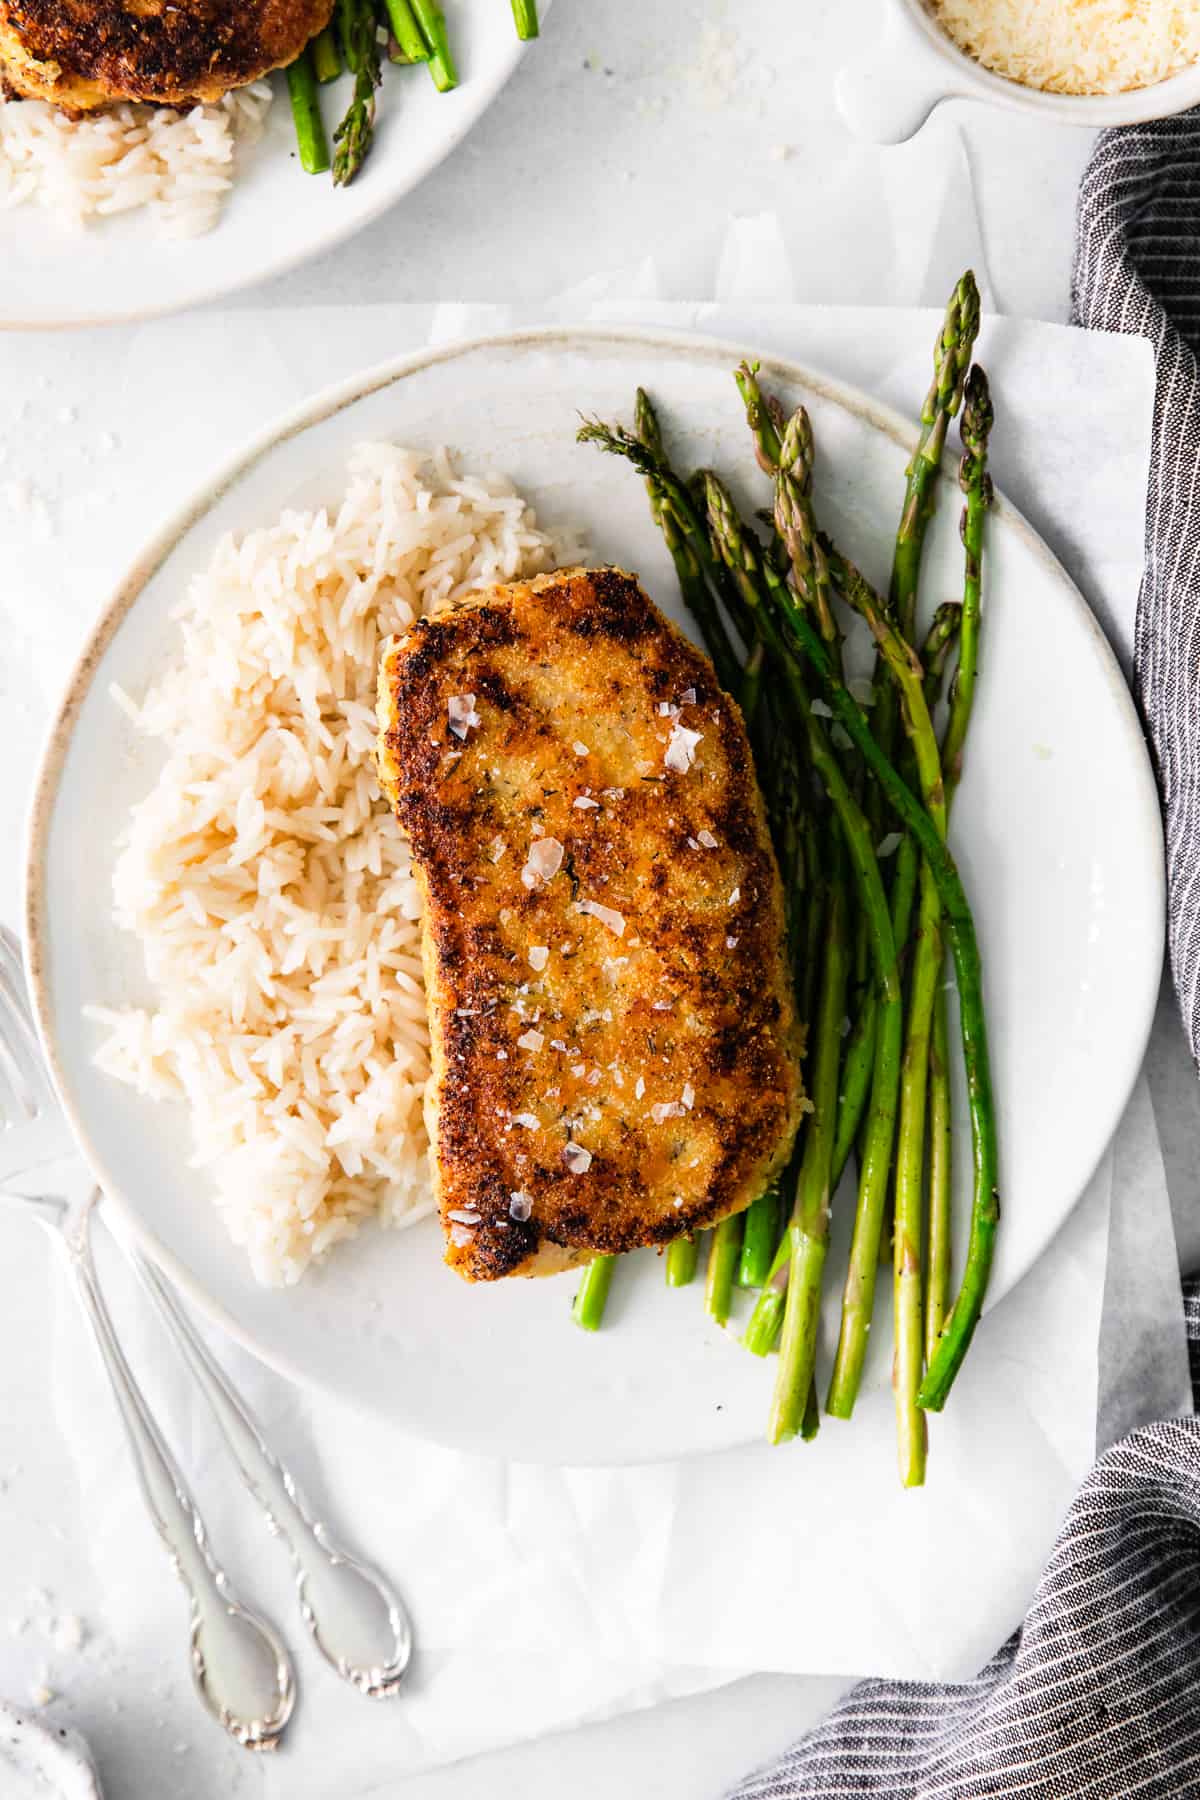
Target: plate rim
[(415, 171), (316, 410)]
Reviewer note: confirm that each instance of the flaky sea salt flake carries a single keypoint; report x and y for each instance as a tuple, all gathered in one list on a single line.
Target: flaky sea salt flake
[(680, 752), (462, 714), (662, 1110), (543, 862), (607, 915)]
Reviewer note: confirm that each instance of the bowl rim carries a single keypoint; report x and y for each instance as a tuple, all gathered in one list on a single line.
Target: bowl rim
[(1176, 94)]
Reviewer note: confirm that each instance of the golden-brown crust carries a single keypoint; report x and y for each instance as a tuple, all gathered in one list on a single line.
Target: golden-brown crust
[(659, 1036), (81, 54)]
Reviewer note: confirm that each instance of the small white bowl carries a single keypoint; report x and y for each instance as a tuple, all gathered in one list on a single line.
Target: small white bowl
[(913, 66)]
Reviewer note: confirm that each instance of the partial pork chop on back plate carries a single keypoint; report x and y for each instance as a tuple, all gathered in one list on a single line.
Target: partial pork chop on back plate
[(615, 1049), (84, 54)]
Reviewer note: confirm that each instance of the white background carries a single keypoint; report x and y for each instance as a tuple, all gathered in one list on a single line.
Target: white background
[(622, 132)]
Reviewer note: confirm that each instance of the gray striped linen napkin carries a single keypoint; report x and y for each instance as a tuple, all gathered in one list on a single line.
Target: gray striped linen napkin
[(1096, 1695)]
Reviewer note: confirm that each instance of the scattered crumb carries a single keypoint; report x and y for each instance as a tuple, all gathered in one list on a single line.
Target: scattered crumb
[(782, 152), (68, 1633), (717, 70)]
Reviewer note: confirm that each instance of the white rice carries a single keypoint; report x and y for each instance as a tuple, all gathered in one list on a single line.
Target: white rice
[(1076, 46), (264, 875), (179, 165)]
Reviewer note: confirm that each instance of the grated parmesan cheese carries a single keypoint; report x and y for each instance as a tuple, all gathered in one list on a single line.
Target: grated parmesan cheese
[(1075, 46)]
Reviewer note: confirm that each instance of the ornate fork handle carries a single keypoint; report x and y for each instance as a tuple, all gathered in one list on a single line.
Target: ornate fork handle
[(353, 1615), (240, 1666)]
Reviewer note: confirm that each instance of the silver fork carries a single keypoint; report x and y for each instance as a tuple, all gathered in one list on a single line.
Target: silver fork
[(352, 1613)]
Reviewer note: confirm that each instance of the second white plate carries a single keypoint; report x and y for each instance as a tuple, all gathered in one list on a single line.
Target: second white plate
[(275, 217)]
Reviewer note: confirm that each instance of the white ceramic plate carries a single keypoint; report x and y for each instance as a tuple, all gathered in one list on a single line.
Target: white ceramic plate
[(1056, 828), (276, 216)]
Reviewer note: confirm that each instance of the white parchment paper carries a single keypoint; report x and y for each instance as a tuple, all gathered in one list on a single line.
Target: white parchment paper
[(544, 1598)]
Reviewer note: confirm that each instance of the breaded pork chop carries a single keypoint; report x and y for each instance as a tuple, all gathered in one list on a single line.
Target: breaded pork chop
[(615, 1055), (81, 54)]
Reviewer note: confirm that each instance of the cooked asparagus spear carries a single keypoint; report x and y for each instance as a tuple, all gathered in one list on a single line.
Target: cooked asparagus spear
[(976, 483), (808, 1233), (407, 32), (327, 58), (796, 524), (432, 21), (361, 47), (525, 16), (723, 1254), (940, 642), (855, 1083), (951, 361), (311, 141), (908, 1366), (935, 652), (977, 418), (682, 1256), (588, 1307), (870, 1232), (762, 416), (759, 1239), (791, 829), (941, 1166)]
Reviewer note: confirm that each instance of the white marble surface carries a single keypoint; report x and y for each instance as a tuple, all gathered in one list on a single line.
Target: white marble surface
[(613, 138), (635, 126)]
